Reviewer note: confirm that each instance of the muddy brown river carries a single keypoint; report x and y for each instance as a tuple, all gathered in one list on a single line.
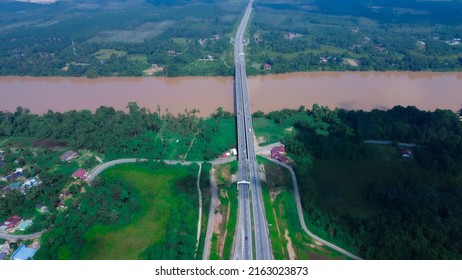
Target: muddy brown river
[(350, 90)]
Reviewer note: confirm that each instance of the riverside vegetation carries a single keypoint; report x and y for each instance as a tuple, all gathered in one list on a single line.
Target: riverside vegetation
[(368, 198)]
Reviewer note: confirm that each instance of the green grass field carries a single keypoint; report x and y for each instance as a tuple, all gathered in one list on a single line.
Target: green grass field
[(105, 54), (157, 188), (268, 132)]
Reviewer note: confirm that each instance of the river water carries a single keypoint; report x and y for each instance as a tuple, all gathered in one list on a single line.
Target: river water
[(350, 90)]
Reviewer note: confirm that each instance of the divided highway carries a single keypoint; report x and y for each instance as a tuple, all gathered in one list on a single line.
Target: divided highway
[(250, 197)]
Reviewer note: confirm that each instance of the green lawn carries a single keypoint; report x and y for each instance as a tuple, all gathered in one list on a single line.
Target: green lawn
[(138, 57), (157, 188), (105, 54), (268, 132)]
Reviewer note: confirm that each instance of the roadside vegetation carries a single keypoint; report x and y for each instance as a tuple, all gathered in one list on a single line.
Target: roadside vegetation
[(288, 240), (372, 199), (206, 199), (136, 132), (225, 214)]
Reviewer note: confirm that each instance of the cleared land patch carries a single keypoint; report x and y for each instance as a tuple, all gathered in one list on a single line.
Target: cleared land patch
[(158, 197)]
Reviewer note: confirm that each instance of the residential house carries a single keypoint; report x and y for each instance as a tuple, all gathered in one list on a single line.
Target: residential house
[(15, 175), (202, 41), (11, 222), (80, 174), (405, 152), (278, 153), (41, 207), (64, 195), (32, 182), (24, 225), (69, 155), (23, 253), (267, 66)]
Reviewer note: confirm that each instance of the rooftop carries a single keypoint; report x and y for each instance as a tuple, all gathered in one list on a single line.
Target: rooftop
[(81, 173), (68, 155), (24, 225), (23, 253)]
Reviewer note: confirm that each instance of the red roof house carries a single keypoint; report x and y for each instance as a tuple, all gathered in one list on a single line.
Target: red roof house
[(267, 66), (11, 222), (405, 152), (278, 153), (81, 174)]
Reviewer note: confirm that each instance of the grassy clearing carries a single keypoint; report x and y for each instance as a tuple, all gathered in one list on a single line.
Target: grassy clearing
[(269, 132), (158, 196), (181, 41), (105, 54), (138, 58)]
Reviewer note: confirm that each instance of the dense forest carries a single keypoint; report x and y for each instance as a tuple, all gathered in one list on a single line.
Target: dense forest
[(379, 204), (138, 133)]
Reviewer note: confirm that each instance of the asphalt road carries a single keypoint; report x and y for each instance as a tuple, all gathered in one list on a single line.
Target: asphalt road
[(13, 237), (248, 179)]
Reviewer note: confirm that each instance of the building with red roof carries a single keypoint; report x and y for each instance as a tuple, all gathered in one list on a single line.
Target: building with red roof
[(405, 152), (278, 153), (11, 222), (81, 174)]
